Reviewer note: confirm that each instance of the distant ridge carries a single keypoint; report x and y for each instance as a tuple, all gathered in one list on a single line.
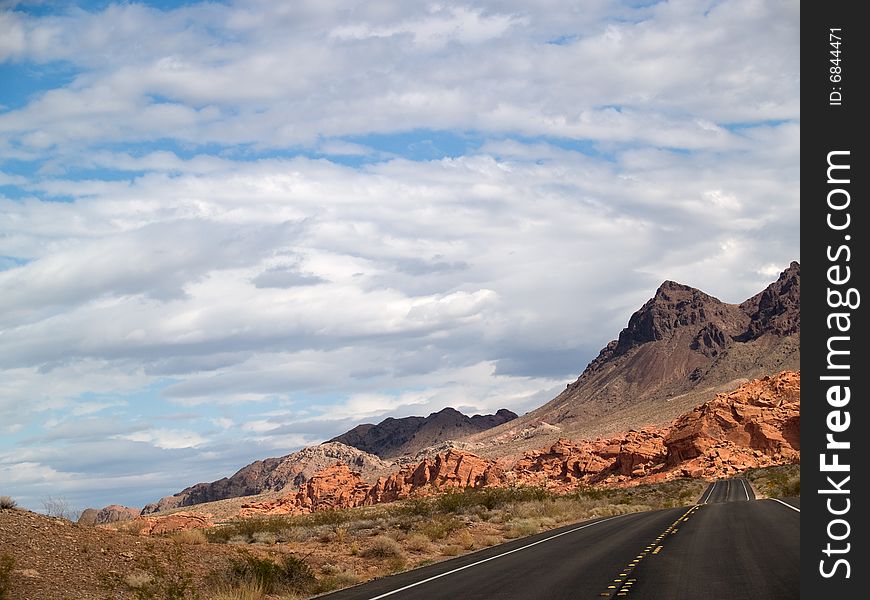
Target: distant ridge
[(407, 436)]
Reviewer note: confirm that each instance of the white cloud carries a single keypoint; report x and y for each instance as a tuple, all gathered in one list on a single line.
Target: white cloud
[(167, 439), (388, 70)]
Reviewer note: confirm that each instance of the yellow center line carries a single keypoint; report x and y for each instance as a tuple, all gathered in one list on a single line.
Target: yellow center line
[(651, 549)]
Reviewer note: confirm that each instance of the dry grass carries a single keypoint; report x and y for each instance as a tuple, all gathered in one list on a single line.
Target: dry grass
[(417, 542), (7, 503), (451, 550), (192, 537), (383, 547), (246, 590), (776, 482)]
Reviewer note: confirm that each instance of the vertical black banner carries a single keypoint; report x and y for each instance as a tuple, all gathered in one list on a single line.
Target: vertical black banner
[(834, 225)]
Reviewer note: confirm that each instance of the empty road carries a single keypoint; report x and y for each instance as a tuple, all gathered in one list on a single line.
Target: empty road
[(729, 546)]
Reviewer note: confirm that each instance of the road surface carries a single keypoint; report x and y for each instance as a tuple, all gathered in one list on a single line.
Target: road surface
[(729, 546)]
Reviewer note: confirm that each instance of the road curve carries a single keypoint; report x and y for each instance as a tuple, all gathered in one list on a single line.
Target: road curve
[(726, 548)]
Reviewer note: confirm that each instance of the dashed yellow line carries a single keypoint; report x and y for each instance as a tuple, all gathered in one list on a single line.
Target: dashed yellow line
[(623, 586)]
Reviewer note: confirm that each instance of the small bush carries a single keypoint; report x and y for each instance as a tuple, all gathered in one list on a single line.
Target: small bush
[(6, 502), (291, 574), (59, 508), (776, 482), (417, 542), (440, 526), (155, 582), (489, 498), (521, 528), (248, 590), (417, 507), (138, 580), (7, 563), (335, 578), (383, 547), (451, 550), (192, 537), (465, 540)]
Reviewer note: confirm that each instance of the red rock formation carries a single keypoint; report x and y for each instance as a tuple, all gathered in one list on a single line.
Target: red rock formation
[(181, 521), (338, 487), (756, 425)]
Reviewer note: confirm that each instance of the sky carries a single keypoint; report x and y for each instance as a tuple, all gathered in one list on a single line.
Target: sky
[(232, 229)]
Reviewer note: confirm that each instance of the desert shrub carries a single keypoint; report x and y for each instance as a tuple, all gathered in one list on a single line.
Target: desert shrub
[(165, 584), (792, 488), (7, 502), (489, 498), (7, 563), (417, 507), (60, 508), (490, 540), (383, 547), (465, 540), (521, 528), (418, 542), (451, 550), (138, 580), (290, 574), (246, 590), (776, 482), (301, 527), (335, 578), (440, 526), (192, 537)]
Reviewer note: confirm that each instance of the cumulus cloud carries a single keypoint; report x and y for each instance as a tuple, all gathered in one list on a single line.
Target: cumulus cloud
[(232, 229)]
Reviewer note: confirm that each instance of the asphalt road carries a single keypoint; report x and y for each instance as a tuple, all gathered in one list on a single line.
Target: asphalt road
[(723, 548), (727, 490)]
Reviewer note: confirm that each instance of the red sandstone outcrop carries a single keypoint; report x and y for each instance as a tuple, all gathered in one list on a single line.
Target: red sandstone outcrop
[(338, 487), (754, 426), (181, 521)]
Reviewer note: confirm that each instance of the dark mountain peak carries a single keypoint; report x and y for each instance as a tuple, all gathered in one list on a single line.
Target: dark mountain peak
[(776, 309), (671, 286), (674, 306), (446, 412)]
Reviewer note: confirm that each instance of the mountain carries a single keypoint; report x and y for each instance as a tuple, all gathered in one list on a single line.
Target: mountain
[(756, 425), (273, 474), (407, 436), (677, 349)]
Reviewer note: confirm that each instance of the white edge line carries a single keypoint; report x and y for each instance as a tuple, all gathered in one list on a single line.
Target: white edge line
[(709, 492), (745, 491), (474, 564), (785, 504)]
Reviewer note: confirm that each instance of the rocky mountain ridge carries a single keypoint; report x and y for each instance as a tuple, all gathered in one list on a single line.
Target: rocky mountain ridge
[(273, 474), (406, 436)]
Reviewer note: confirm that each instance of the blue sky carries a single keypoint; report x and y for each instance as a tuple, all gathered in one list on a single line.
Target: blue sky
[(232, 229)]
